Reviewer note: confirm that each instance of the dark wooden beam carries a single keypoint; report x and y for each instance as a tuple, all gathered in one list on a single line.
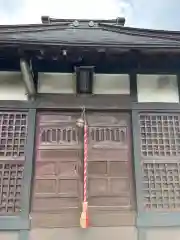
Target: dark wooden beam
[(73, 102), (133, 87), (28, 166), (178, 83), (27, 78), (164, 107), (105, 60), (95, 102), (92, 102)]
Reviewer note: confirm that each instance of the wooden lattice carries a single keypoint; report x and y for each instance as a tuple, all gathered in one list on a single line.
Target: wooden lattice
[(160, 151), (13, 134), (58, 135), (160, 135), (11, 175), (161, 183), (103, 134)]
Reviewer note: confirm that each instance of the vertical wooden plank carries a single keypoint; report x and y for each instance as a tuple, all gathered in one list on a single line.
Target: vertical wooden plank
[(28, 167), (133, 87), (178, 83), (23, 235), (137, 160), (141, 234)]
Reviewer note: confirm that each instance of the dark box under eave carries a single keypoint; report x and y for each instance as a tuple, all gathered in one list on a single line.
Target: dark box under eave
[(84, 79)]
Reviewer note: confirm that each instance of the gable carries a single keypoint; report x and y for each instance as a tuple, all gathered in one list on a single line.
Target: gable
[(100, 33)]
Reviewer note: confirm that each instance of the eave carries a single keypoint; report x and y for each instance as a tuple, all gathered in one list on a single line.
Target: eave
[(104, 34), (123, 47)]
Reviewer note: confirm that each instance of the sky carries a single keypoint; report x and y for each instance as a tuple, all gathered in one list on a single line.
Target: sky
[(156, 14)]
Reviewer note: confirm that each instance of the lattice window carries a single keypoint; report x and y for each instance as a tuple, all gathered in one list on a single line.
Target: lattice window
[(112, 134), (161, 185), (11, 175), (160, 149), (13, 132), (59, 136), (160, 135)]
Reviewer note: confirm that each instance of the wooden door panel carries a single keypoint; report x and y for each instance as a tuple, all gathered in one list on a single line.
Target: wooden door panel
[(109, 163), (102, 154), (58, 155), (119, 169), (57, 193), (108, 203), (54, 204), (58, 183)]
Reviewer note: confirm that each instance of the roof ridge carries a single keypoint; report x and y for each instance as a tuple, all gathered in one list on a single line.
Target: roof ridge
[(135, 32), (152, 33), (31, 28), (154, 30), (49, 20)]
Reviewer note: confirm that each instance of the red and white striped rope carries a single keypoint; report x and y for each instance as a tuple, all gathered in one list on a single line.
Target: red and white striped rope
[(85, 159)]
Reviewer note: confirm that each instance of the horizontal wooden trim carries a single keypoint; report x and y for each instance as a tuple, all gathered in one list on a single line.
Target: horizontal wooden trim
[(170, 107), (153, 219), (111, 218), (96, 218), (91, 102), (36, 45), (14, 223), (15, 105), (92, 233), (68, 101)]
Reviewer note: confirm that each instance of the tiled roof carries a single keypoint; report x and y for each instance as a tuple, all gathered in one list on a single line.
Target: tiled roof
[(88, 32)]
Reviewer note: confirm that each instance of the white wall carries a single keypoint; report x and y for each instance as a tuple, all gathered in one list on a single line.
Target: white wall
[(56, 83), (12, 86), (157, 88), (111, 84), (66, 83), (151, 88)]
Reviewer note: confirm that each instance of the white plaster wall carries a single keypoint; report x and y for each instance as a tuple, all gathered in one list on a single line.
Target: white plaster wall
[(96, 233), (157, 88), (12, 86), (8, 236), (65, 83), (111, 84), (56, 83)]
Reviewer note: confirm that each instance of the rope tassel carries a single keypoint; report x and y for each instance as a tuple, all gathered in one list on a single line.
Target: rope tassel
[(84, 215)]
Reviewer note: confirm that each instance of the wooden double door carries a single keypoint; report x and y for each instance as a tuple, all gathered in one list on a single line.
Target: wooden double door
[(58, 177)]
